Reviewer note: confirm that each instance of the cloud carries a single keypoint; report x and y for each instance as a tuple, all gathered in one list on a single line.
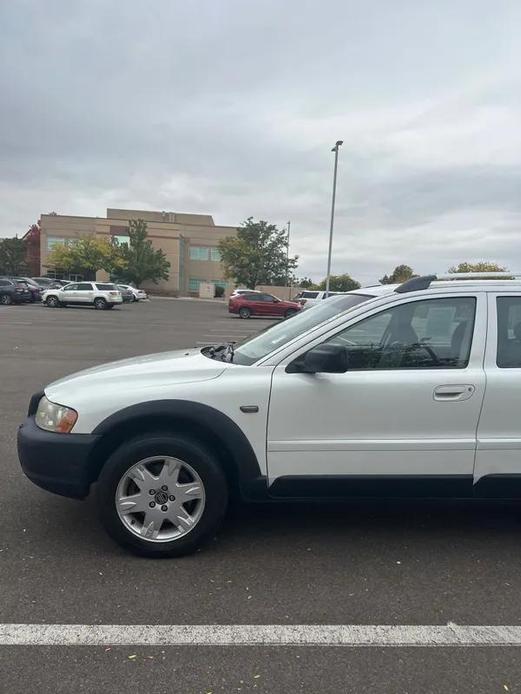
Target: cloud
[(231, 108)]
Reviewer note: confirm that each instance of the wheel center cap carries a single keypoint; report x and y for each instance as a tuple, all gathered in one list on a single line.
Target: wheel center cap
[(161, 497)]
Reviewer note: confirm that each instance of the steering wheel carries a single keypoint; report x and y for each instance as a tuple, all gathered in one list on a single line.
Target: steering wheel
[(429, 350)]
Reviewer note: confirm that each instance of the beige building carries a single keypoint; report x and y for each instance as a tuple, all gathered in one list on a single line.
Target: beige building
[(190, 242)]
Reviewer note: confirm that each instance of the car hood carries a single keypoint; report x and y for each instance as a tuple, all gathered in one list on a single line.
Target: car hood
[(180, 366)]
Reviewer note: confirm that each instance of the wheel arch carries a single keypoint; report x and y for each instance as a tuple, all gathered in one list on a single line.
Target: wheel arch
[(195, 420)]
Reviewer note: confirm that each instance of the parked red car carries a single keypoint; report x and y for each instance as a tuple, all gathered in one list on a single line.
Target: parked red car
[(259, 304)]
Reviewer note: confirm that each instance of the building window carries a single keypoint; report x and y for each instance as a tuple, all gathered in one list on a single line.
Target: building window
[(199, 252), (193, 284), (53, 241), (220, 283), (120, 239), (205, 253)]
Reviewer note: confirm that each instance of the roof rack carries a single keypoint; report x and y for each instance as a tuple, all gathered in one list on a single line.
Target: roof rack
[(424, 282)]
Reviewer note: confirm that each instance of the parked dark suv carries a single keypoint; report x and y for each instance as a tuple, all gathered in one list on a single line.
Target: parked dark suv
[(13, 292), (34, 289)]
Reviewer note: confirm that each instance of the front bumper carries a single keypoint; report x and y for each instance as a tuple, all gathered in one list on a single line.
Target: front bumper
[(59, 463)]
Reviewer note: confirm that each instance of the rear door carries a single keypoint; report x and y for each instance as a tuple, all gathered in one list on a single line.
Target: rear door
[(85, 293), (498, 458), (253, 302)]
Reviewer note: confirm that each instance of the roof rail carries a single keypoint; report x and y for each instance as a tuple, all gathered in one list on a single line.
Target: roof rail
[(424, 282)]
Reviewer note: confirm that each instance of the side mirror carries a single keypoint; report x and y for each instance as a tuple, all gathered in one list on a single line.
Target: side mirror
[(324, 358)]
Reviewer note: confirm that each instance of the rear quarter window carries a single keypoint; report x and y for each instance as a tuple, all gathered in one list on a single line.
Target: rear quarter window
[(309, 295), (106, 287), (509, 332)]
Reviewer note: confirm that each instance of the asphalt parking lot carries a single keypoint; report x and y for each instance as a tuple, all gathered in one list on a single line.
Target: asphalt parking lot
[(374, 563)]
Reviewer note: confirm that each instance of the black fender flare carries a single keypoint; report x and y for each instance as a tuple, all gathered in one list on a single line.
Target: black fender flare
[(252, 482)]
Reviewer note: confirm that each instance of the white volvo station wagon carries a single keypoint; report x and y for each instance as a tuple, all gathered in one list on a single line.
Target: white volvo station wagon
[(395, 392)]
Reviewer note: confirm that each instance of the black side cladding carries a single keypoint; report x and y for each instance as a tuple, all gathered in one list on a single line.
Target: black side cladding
[(33, 403), (221, 426)]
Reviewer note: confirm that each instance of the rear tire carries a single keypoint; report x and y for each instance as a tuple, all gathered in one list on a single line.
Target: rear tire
[(100, 304), (6, 299), (52, 302), (244, 312), (129, 532)]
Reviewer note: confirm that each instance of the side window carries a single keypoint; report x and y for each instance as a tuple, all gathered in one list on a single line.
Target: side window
[(5, 283), (71, 287), (252, 297), (84, 287), (428, 334), (309, 295), (267, 298), (509, 332)]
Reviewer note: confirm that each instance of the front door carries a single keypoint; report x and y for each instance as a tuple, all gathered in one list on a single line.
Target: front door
[(70, 293), (267, 305), (85, 293), (406, 410)]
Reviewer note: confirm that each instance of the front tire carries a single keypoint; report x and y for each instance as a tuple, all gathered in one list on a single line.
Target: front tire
[(244, 312), (6, 299), (100, 304), (52, 302), (161, 495)]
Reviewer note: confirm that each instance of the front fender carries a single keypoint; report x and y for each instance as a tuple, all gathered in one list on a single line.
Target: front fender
[(251, 481)]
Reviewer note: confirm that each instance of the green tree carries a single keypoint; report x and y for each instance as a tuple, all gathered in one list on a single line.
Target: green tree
[(141, 261), (340, 283), (305, 283), (257, 255), (401, 273), (12, 256), (482, 266), (86, 255)]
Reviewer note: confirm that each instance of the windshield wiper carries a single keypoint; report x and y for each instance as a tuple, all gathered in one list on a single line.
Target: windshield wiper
[(230, 352), (223, 352)]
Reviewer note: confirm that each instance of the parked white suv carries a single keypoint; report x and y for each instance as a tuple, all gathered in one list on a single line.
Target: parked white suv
[(101, 295), (311, 297), (413, 392)]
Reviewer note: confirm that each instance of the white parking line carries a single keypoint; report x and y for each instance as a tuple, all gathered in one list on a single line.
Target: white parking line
[(349, 635)]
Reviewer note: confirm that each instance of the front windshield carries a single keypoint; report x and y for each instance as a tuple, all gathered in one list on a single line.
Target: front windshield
[(281, 333)]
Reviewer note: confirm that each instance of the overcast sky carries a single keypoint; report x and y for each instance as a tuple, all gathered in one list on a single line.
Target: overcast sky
[(230, 107)]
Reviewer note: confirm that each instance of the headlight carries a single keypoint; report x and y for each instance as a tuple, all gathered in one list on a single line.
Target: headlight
[(53, 417)]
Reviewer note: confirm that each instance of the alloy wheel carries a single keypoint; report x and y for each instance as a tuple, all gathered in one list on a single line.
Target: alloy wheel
[(160, 499)]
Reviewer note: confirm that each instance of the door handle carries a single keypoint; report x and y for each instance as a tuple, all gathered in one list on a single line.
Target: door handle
[(454, 393)]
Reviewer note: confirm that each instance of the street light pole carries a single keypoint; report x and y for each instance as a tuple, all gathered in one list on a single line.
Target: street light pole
[(335, 150), (287, 256)]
